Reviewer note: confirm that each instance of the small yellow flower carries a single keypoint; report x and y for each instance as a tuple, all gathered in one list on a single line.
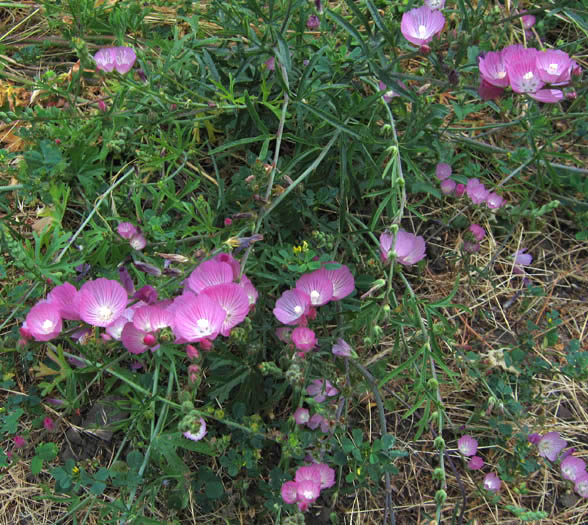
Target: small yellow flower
[(75, 470), (296, 249)]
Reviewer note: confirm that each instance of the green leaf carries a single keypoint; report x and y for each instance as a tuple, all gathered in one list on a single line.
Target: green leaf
[(36, 465), (47, 451)]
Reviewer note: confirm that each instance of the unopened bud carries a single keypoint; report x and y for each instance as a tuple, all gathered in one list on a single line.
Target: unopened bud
[(440, 497), (149, 340), (439, 443)]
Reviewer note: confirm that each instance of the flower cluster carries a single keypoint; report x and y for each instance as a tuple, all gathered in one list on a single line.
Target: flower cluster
[(120, 58), (307, 485), (320, 390), (474, 189), (468, 446), (526, 70), (216, 300), (314, 289), (133, 234), (406, 248), (421, 24), (551, 446)]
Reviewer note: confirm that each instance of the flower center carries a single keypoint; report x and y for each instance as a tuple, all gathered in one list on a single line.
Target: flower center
[(314, 296), (422, 31), (105, 313), (501, 74), (552, 69), (298, 309), (47, 326), (528, 76), (202, 326)]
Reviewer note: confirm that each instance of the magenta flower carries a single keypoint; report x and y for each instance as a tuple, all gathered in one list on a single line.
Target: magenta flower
[(292, 306), (210, 273), (448, 186), (318, 472), (467, 445), (523, 73), (196, 434), (443, 171), (581, 485), (49, 424), (523, 259), (270, 63), (476, 191), (147, 294), (493, 69), (304, 338), (572, 468), (317, 420), (198, 318), (389, 93), (120, 58), (126, 230), (289, 492), (460, 189), (475, 463), (138, 241), (19, 441), (152, 318), (554, 66), (307, 492), (420, 25), (489, 92), (192, 352), (136, 341), (233, 300), (64, 297), (534, 438), (320, 389), (313, 22), (101, 302), (43, 321), (494, 201), (528, 21), (342, 281), (550, 445), (250, 290), (341, 348), (492, 482), (231, 261), (406, 247), (435, 4), (477, 231), (548, 96), (317, 286), (301, 416)]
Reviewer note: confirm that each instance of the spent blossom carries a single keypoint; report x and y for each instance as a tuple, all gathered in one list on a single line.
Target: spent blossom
[(341, 348), (320, 389), (406, 247), (475, 463), (572, 468), (492, 482), (443, 171)]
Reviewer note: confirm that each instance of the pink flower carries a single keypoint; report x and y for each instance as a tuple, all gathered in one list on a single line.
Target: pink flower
[(317, 420), (406, 247), (534, 438), (522, 70), (389, 93), (548, 96), (120, 58), (196, 434), (152, 318), (307, 493), (192, 352), (477, 231), (493, 69), (420, 25), (553, 66), (284, 334), (198, 318), (43, 321), (443, 171), (135, 340), (270, 63), (475, 463), (147, 294), (448, 186), (494, 201), (210, 273), (318, 472), (301, 416), (101, 302), (581, 485), (64, 297), (317, 286), (292, 306), (476, 191), (304, 338), (467, 445), (19, 441), (320, 389), (126, 230), (193, 374), (231, 261), (572, 468), (460, 189), (492, 482), (233, 300), (341, 348), (250, 290), (528, 21), (49, 424), (522, 258), (550, 445), (138, 241), (289, 492), (228, 221), (341, 279)]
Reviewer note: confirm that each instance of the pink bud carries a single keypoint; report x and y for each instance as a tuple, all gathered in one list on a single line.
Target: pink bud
[(48, 424), (228, 221), (19, 442), (192, 352), (193, 373), (102, 106), (205, 344), (460, 189), (149, 339)]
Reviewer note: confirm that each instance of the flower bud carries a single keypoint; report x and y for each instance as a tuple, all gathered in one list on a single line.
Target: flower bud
[(439, 443), (440, 497)]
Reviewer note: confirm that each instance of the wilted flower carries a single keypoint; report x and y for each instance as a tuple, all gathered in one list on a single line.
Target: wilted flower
[(476, 191), (126, 230), (460, 189), (270, 63), (550, 445), (492, 482), (494, 201), (320, 389), (467, 445), (341, 348), (389, 93), (443, 171), (534, 438), (197, 435), (421, 24), (120, 58), (19, 441), (489, 92), (313, 22), (477, 231), (581, 485), (448, 186)]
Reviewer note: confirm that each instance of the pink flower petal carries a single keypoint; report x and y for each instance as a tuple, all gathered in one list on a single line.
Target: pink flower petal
[(210, 273), (101, 302)]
